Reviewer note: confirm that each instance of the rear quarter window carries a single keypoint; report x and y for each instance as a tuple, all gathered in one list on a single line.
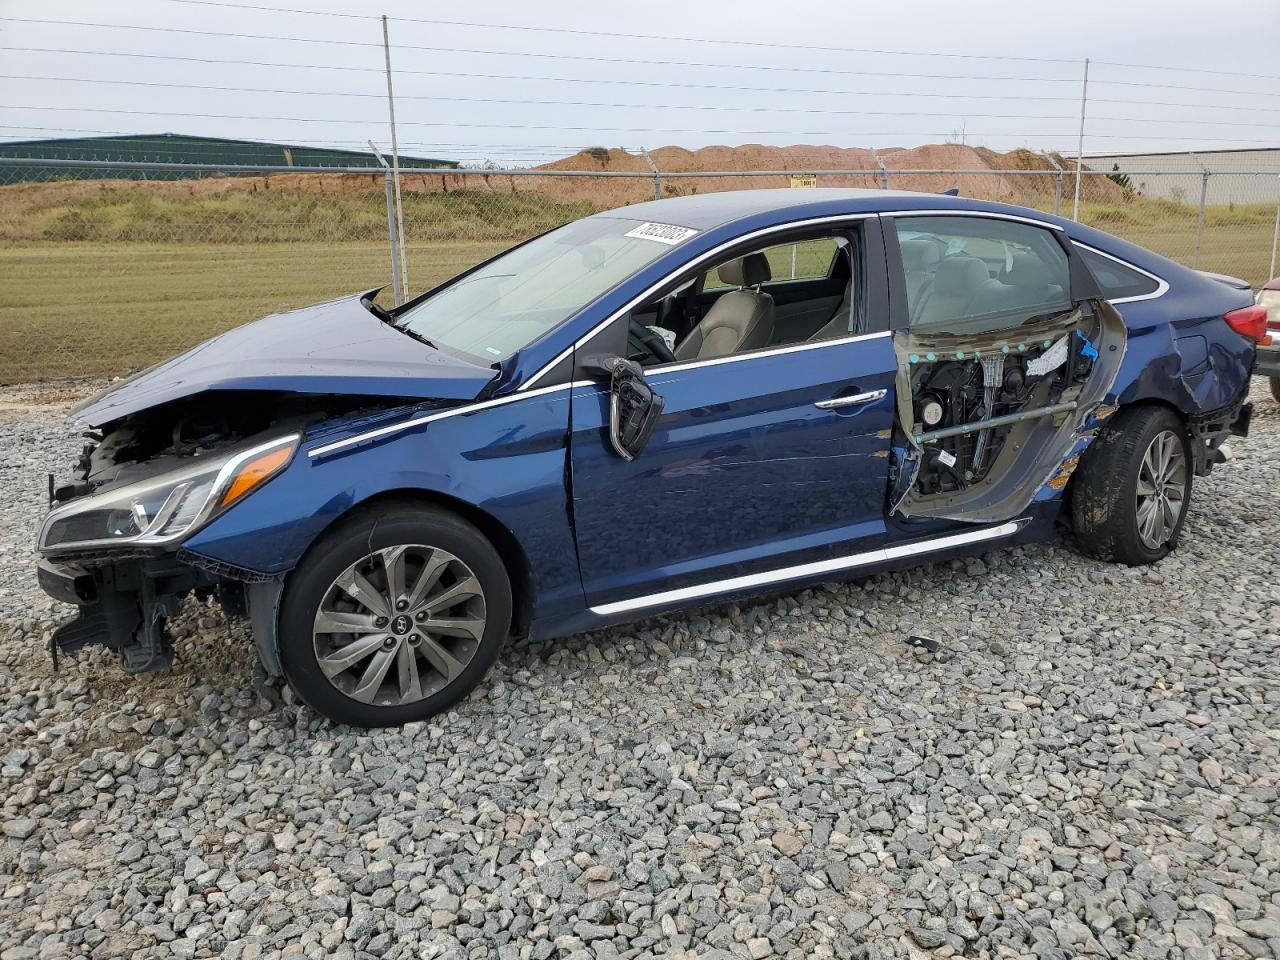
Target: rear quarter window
[(1116, 280)]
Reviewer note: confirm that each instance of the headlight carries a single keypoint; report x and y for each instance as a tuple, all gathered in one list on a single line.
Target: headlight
[(166, 508)]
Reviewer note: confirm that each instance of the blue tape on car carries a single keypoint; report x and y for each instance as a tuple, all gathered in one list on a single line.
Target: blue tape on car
[(1088, 350)]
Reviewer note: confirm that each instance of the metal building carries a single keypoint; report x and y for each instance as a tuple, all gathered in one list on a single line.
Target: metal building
[(1180, 176), (179, 148)]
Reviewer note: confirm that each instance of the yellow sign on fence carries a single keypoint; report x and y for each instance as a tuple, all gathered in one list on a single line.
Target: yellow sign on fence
[(804, 180)]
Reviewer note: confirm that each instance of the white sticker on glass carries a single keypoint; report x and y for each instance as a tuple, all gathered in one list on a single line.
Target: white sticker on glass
[(661, 232)]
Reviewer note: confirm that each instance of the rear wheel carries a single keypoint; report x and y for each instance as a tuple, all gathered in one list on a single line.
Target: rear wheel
[(1132, 489), (394, 616), (1275, 389)]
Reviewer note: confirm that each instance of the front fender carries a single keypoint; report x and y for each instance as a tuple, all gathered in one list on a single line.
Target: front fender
[(507, 462)]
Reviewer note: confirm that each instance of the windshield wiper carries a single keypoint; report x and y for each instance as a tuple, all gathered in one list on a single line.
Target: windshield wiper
[(383, 314)]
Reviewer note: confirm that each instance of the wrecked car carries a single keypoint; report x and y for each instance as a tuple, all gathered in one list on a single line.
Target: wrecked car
[(674, 403)]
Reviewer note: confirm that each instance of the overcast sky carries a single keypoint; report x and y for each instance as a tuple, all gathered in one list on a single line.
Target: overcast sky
[(945, 89)]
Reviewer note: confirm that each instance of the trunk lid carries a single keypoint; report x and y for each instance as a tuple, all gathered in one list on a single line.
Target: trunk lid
[(338, 347)]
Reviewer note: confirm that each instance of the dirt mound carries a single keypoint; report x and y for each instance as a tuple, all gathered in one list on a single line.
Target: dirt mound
[(974, 171)]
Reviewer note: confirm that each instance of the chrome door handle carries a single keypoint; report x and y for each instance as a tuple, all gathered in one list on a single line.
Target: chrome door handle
[(836, 402)]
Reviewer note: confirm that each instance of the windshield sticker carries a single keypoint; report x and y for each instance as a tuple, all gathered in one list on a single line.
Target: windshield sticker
[(662, 232)]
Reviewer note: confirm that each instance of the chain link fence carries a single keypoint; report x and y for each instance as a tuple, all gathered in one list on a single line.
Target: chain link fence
[(113, 266)]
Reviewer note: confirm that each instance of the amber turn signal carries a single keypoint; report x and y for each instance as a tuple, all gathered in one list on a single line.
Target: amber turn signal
[(254, 472)]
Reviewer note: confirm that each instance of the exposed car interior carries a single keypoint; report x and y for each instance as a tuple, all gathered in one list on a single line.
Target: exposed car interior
[(996, 362), (784, 294)]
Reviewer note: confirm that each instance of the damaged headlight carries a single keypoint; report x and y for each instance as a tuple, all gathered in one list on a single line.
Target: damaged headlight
[(166, 508)]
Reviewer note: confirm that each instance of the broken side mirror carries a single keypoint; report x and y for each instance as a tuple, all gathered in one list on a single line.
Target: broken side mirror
[(634, 409)]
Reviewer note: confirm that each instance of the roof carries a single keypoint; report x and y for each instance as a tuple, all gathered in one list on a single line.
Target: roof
[(704, 211)]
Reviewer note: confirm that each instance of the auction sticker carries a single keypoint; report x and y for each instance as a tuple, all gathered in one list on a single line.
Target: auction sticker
[(662, 232)]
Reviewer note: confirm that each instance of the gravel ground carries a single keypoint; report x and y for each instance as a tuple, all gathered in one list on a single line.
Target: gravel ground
[(1088, 766)]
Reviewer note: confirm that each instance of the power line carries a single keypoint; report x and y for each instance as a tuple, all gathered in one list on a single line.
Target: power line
[(540, 78), (595, 129), (535, 102), (629, 36), (635, 106), (1180, 68), (223, 61), (544, 56)]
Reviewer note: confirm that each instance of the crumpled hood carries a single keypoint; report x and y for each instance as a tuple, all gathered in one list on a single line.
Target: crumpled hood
[(337, 347)]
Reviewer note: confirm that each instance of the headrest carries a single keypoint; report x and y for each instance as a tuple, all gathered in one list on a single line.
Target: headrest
[(958, 275), (1027, 270), (745, 271), (919, 255)]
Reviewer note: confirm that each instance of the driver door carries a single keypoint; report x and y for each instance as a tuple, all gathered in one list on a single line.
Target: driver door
[(761, 461)]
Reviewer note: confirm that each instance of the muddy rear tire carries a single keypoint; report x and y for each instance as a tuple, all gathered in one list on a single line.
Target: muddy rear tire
[(1130, 495)]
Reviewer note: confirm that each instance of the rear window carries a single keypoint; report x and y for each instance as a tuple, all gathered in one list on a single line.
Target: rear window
[(1116, 280)]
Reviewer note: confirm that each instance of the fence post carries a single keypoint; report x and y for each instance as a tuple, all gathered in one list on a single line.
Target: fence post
[(1275, 235), (884, 174), (657, 179), (392, 237), (1057, 195), (1204, 191)]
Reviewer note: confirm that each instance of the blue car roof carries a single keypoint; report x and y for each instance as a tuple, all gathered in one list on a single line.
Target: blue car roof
[(705, 211), (711, 211)]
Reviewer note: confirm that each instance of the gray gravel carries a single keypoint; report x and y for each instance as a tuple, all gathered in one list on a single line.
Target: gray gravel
[(1087, 767)]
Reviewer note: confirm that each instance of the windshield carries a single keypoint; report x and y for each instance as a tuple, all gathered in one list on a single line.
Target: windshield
[(513, 300)]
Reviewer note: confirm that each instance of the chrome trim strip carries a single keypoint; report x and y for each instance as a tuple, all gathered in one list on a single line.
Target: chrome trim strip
[(972, 213), (657, 371), (151, 535), (803, 570), (337, 445), (1160, 291), (700, 258), (835, 403)]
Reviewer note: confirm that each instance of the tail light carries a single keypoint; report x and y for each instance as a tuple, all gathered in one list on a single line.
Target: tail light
[(1249, 322)]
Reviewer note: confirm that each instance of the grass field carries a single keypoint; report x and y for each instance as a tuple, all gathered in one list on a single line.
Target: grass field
[(102, 286), (90, 309)]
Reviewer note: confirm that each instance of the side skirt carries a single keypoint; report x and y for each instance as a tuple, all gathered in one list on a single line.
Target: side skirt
[(1037, 524)]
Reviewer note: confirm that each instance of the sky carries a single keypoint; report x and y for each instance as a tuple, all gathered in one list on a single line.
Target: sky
[(523, 83)]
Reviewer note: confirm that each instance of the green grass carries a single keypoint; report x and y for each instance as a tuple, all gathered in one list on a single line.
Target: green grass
[(91, 309), (106, 284)]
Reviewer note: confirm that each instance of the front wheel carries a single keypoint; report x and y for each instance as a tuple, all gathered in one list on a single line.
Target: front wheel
[(1133, 487), (394, 616)]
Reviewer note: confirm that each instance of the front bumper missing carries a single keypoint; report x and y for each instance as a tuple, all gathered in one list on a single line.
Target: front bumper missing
[(126, 602)]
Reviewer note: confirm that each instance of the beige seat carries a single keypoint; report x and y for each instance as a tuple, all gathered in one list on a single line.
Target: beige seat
[(739, 320), (958, 280), (920, 258)]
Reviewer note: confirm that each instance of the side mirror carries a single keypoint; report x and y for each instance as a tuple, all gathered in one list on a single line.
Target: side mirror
[(634, 409)]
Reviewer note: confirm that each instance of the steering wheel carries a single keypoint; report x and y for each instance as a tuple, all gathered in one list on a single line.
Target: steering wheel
[(652, 343)]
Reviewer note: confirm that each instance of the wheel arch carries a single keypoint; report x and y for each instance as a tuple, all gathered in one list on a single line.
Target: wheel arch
[(514, 558)]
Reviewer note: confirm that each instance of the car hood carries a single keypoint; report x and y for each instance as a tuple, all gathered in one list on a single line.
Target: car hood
[(338, 347)]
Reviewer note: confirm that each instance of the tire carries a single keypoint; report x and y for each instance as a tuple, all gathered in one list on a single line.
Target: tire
[(1107, 514), (424, 556), (1275, 389)]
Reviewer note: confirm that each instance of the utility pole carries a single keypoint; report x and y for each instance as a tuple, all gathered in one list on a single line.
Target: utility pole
[(395, 166), (1084, 99)]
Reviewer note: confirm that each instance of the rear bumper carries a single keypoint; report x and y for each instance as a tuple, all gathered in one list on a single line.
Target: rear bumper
[(1267, 362)]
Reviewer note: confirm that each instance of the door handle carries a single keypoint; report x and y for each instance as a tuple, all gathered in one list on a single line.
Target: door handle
[(836, 402)]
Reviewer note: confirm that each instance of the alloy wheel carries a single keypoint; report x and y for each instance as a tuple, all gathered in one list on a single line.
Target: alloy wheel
[(399, 625), (1162, 488)]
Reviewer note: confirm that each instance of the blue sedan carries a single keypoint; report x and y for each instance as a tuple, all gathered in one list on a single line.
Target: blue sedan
[(674, 403)]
